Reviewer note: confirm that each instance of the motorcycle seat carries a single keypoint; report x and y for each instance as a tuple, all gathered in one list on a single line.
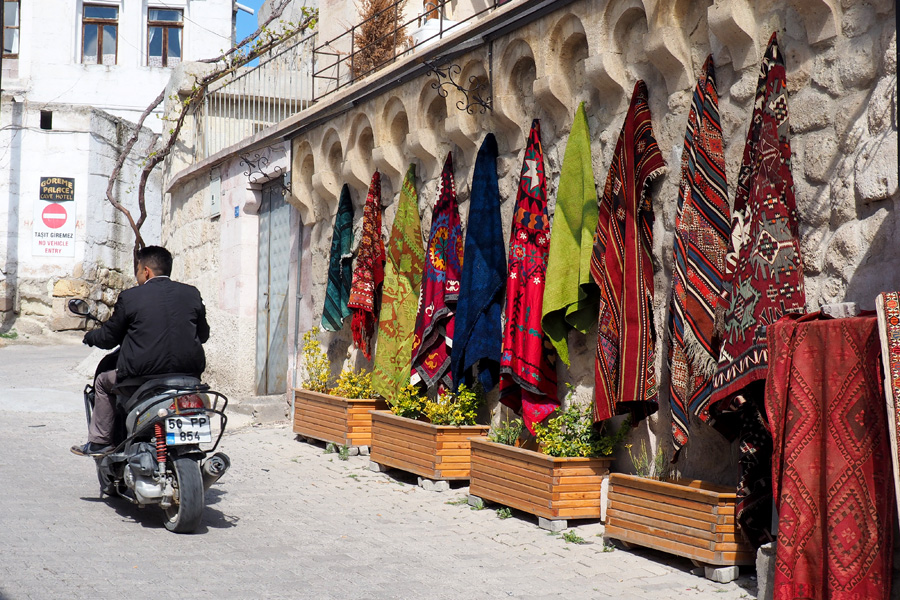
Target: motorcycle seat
[(172, 381)]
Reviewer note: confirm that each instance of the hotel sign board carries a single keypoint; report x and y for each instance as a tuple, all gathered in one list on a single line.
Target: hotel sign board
[(54, 218)]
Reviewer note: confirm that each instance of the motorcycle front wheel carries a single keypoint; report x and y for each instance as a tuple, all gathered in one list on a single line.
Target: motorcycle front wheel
[(187, 508)]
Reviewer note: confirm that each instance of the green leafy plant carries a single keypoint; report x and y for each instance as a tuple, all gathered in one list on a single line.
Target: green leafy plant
[(454, 408), (650, 467), (504, 513), (409, 403), (458, 502), (330, 448), (507, 432), (571, 433), (573, 538), (354, 384), (344, 452), (9, 335), (478, 505), (315, 363)]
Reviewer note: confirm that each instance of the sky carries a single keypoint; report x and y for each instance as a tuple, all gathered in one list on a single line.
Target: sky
[(246, 24)]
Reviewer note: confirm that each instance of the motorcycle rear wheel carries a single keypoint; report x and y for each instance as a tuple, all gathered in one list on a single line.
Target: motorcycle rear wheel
[(187, 509)]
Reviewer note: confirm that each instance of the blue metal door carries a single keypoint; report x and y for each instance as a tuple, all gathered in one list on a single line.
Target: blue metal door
[(272, 306)]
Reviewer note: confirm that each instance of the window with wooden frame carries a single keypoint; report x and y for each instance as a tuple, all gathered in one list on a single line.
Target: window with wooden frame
[(10, 18), (164, 28), (99, 34)]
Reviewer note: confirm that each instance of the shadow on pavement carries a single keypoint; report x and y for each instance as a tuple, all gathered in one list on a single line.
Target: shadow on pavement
[(746, 580), (151, 517)]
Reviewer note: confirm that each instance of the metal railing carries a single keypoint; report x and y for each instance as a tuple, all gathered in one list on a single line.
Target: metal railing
[(334, 67), (254, 98), (285, 81)]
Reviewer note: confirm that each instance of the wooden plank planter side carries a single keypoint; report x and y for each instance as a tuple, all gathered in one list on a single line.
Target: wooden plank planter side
[(439, 452), (693, 519), (343, 421), (545, 486)]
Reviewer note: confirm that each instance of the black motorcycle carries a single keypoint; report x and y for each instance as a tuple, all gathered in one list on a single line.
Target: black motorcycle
[(166, 429)]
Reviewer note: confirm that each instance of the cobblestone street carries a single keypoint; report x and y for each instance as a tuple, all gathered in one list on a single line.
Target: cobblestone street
[(287, 521)]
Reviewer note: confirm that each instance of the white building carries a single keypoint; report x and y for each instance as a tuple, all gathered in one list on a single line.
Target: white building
[(76, 75)]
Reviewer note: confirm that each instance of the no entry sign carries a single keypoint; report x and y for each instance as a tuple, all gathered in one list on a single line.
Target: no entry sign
[(54, 218)]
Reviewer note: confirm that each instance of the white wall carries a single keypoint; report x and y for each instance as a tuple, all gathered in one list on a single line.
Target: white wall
[(49, 68), (82, 145)]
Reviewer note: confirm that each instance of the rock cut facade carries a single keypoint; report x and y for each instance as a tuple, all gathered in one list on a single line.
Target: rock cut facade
[(541, 59)]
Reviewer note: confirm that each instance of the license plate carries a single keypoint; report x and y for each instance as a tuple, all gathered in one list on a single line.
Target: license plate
[(193, 429)]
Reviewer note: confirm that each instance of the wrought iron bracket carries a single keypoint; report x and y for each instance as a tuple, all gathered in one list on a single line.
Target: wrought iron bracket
[(475, 99), (258, 172)]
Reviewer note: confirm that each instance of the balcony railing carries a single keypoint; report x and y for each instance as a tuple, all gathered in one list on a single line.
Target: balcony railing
[(254, 98), (335, 66), (299, 73)]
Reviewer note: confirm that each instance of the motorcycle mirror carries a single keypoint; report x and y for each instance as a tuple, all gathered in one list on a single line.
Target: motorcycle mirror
[(79, 307)]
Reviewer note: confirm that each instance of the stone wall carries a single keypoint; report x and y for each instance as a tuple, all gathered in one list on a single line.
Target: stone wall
[(840, 59), (84, 145), (217, 253)]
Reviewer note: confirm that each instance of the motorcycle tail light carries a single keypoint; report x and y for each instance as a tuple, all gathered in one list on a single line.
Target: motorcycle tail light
[(189, 402)]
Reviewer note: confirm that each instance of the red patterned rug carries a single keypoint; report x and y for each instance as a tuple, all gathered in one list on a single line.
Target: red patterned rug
[(528, 360), (622, 266), (831, 459), (369, 272)]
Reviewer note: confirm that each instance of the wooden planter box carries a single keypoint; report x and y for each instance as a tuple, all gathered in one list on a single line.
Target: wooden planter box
[(693, 519), (439, 452), (546, 486), (327, 418)]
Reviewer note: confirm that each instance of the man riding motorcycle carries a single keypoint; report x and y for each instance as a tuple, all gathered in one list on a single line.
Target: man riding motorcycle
[(160, 326)]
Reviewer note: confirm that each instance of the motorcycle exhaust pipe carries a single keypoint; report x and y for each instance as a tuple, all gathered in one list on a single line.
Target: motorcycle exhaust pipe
[(213, 469)]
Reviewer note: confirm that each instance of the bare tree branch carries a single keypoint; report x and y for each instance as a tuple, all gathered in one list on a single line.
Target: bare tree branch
[(263, 44), (276, 12)]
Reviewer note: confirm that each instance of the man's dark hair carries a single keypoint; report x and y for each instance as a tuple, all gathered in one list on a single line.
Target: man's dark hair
[(157, 258)]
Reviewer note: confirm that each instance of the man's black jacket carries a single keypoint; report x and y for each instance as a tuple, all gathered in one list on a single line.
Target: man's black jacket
[(160, 327)]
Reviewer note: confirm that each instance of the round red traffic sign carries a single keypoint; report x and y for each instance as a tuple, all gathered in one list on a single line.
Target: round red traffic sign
[(54, 216)]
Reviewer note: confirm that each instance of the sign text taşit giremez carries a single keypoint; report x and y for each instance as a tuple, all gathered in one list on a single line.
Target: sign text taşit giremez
[(58, 189)]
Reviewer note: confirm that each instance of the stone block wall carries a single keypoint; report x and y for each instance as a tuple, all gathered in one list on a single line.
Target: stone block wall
[(841, 72)]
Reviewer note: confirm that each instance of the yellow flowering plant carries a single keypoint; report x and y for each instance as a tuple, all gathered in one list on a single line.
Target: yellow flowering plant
[(354, 384), (459, 408), (409, 403), (317, 369)]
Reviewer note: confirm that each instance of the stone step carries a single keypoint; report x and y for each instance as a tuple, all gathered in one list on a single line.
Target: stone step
[(262, 409)]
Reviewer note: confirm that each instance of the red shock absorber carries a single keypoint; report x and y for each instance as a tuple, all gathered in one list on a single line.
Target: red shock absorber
[(160, 444)]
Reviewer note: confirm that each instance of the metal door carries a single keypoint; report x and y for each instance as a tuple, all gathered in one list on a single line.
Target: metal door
[(273, 266)]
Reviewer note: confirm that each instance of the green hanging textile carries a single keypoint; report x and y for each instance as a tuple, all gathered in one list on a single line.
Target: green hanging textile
[(340, 273), (400, 295), (571, 296)]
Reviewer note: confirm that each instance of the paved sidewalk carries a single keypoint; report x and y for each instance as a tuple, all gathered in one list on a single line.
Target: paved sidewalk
[(288, 521)]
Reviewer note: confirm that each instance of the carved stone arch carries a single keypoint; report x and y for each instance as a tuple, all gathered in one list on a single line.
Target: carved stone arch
[(327, 180), (426, 139), (608, 69), (666, 41), (629, 35), (303, 195), (358, 163), (564, 83), (463, 128), (821, 18), (733, 23), (514, 101), (392, 127)]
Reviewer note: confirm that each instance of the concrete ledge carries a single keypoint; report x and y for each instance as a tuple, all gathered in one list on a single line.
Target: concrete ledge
[(262, 409)]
